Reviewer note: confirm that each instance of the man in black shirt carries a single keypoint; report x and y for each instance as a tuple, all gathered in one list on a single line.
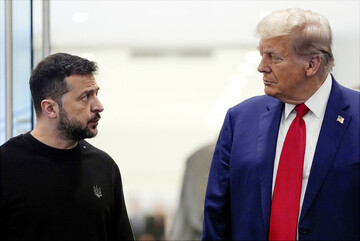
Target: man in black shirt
[(54, 184)]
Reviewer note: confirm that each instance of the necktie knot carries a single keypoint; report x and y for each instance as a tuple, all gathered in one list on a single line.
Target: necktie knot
[(301, 110)]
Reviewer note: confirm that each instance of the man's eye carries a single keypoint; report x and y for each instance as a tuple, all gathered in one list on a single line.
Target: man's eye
[(276, 58), (85, 97)]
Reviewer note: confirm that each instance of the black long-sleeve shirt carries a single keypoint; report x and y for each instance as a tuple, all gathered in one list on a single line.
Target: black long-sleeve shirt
[(54, 194)]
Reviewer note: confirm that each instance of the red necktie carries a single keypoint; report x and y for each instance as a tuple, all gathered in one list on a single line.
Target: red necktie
[(286, 197)]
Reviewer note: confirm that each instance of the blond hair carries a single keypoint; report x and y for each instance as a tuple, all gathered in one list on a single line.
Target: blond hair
[(310, 33)]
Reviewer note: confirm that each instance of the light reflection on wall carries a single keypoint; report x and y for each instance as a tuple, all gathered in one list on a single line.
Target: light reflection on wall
[(233, 91)]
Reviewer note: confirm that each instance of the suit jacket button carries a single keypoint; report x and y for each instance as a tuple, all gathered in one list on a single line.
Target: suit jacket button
[(305, 231)]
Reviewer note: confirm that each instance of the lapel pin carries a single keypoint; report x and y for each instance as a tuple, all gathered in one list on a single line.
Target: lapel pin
[(340, 119)]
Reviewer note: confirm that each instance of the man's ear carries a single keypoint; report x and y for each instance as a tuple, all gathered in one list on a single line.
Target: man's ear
[(50, 108), (313, 66)]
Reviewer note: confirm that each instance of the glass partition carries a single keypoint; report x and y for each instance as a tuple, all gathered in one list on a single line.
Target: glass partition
[(2, 72), (20, 67)]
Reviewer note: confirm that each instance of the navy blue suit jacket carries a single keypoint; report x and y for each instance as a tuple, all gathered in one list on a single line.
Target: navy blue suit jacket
[(238, 196)]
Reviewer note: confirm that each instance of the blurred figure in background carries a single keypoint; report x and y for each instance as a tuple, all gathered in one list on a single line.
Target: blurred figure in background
[(137, 218), (155, 223), (149, 225), (188, 220)]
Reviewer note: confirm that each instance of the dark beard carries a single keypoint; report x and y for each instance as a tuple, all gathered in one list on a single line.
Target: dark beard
[(73, 130)]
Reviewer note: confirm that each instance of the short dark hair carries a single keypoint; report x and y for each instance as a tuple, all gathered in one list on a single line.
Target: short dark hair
[(48, 78)]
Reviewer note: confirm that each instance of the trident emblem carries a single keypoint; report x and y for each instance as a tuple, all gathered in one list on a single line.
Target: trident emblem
[(97, 191)]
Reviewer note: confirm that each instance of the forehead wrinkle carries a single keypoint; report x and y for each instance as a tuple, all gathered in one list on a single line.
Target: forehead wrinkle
[(83, 87), (89, 83), (90, 90), (270, 50)]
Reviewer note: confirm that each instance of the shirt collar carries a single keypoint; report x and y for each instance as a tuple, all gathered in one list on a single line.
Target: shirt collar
[(317, 102)]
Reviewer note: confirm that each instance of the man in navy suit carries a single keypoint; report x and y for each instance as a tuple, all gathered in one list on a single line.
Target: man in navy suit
[(295, 46)]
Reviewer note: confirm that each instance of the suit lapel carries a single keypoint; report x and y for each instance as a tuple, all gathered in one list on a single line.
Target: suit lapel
[(268, 131), (330, 136)]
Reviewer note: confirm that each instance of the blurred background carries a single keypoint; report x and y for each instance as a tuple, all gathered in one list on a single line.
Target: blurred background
[(168, 72)]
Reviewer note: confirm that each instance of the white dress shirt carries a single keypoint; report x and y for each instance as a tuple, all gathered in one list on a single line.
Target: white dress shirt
[(313, 120)]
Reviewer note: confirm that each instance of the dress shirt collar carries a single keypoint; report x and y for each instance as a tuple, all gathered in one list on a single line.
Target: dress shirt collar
[(317, 102)]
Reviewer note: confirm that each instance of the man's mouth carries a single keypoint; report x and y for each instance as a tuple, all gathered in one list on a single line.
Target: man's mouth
[(268, 82), (95, 119)]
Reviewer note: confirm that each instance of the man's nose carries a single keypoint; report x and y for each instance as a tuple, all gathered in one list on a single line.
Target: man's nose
[(263, 66), (97, 106)]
